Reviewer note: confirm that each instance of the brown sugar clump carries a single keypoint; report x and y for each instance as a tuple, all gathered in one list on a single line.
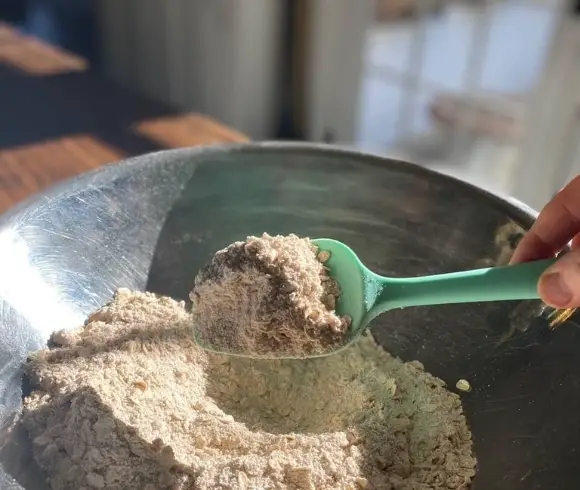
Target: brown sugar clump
[(268, 296)]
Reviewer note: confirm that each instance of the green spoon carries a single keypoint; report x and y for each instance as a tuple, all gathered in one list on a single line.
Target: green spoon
[(365, 295)]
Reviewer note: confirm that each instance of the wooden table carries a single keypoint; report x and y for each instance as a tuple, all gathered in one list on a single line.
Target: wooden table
[(58, 119)]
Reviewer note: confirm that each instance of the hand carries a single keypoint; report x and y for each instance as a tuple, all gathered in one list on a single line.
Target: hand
[(557, 224)]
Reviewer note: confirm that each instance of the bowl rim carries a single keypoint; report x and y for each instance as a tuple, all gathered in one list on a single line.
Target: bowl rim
[(512, 207)]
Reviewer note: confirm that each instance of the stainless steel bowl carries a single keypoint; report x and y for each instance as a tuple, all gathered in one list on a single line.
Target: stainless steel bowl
[(149, 223)]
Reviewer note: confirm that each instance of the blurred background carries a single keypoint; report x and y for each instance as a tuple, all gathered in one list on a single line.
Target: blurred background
[(486, 90)]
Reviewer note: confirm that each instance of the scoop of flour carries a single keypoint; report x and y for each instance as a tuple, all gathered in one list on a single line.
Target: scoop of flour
[(267, 296)]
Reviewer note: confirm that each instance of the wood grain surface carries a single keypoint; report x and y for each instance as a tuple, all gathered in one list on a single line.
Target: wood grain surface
[(58, 119)]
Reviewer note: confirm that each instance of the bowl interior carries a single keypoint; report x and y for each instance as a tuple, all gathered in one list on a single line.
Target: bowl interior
[(150, 223)]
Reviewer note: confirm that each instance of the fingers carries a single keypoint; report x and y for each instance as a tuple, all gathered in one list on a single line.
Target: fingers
[(556, 225), (559, 286)]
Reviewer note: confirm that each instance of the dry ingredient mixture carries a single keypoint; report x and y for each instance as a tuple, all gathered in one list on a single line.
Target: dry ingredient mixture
[(268, 296), (130, 402)]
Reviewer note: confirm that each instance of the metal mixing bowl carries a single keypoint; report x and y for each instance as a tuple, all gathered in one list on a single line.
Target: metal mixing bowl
[(149, 223)]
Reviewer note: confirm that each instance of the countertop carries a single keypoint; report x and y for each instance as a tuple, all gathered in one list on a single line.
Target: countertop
[(59, 119)]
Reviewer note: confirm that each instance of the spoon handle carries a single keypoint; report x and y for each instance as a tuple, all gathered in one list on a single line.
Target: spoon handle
[(512, 282)]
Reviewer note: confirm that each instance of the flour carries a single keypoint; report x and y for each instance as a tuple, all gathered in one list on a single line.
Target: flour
[(267, 297), (130, 402)]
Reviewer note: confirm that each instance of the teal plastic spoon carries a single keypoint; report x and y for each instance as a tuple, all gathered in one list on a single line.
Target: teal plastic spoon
[(365, 295)]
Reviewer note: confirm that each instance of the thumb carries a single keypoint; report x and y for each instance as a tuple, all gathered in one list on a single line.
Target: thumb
[(559, 285)]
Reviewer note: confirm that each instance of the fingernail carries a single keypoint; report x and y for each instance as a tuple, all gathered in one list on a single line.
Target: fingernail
[(554, 290)]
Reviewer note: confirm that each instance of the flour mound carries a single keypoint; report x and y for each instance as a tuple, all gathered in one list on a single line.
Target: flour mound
[(267, 297), (129, 402)]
